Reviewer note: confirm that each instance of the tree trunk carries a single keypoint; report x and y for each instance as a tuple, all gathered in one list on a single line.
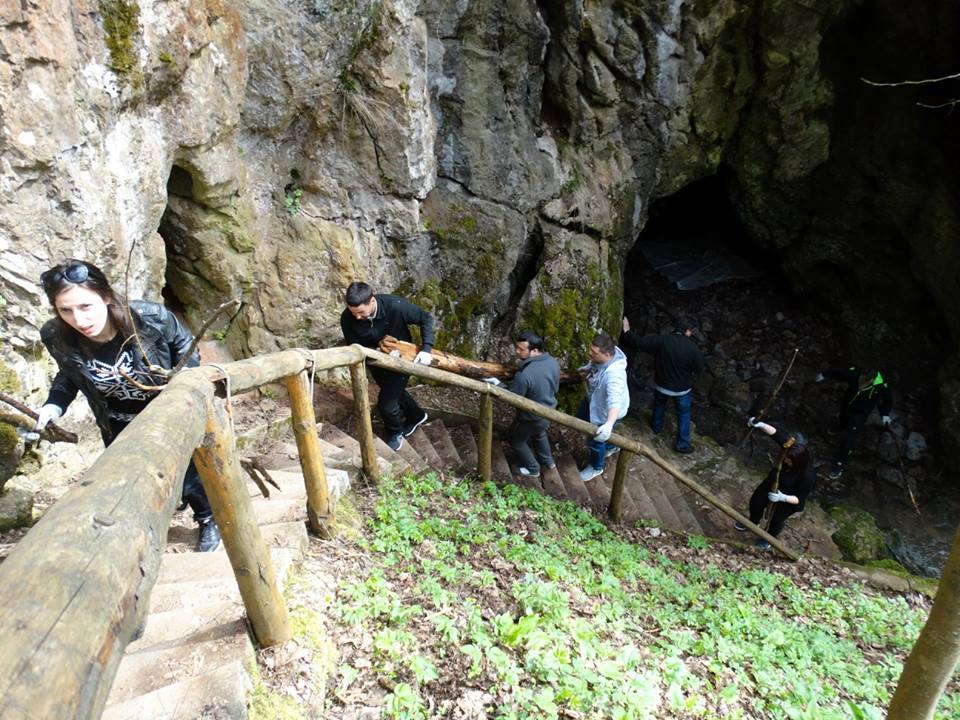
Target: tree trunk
[(934, 657), (475, 369)]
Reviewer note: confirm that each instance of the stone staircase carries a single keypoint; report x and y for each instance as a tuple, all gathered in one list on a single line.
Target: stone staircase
[(190, 661)]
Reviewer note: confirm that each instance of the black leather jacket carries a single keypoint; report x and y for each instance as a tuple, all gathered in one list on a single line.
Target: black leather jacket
[(164, 341)]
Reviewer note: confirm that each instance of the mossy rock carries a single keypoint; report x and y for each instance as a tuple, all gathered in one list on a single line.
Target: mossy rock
[(888, 564), (16, 505), (9, 381), (857, 535)]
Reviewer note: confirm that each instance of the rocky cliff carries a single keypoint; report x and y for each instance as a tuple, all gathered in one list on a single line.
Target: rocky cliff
[(492, 159)]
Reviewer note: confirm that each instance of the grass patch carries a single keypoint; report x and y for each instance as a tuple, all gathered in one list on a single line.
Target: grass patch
[(534, 609)]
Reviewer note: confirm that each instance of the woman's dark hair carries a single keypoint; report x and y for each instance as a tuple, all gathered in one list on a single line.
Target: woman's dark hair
[(799, 456), (533, 341), (79, 273), (358, 293)]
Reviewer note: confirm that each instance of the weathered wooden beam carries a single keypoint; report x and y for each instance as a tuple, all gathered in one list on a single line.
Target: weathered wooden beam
[(619, 477), (559, 418), (319, 510), (262, 369), (361, 403), (75, 589), (216, 459), (485, 438)]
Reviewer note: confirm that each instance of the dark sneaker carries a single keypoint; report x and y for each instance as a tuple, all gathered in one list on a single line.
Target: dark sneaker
[(762, 544), (408, 429), (549, 466), (739, 526), (209, 536), (685, 450), (527, 472), (395, 443), (836, 472)]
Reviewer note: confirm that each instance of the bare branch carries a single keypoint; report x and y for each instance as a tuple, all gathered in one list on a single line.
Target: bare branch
[(232, 305), (52, 430), (926, 81), (949, 104)]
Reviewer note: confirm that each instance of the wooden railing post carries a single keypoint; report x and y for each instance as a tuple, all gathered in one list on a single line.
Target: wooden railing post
[(320, 512), (216, 459), (619, 476), (361, 401), (485, 442)]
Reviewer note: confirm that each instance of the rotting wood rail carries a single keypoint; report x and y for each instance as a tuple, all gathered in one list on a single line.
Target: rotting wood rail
[(76, 588)]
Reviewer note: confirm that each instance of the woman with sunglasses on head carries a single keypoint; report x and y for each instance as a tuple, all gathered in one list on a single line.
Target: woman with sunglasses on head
[(91, 340)]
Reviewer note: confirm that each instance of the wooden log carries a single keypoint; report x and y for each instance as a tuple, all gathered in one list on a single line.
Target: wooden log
[(320, 518), (361, 401), (485, 438), (262, 369), (52, 431), (619, 477), (75, 589), (216, 459), (476, 369), (559, 418)]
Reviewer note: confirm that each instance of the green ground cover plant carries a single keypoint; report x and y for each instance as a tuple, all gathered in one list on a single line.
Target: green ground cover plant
[(531, 608)]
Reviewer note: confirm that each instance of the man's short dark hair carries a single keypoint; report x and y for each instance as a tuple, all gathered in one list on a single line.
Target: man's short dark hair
[(533, 341), (684, 323), (604, 343), (358, 293)]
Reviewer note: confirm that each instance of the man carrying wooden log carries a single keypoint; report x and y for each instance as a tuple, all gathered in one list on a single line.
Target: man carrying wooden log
[(537, 378), (607, 401), (367, 319)]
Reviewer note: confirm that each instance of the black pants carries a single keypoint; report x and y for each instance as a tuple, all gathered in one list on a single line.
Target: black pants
[(525, 433), (781, 511), (193, 492), (851, 424), (396, 407)]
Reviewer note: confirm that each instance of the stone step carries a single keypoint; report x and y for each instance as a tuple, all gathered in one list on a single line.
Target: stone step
[(151, 669), (552, 483), (399, 465), (629, 513), (436, 430), (570, 476), (666, 513), (164, 629), (218, 694), (514, 477), (466, 444), (277, 510), (287, 535), (351, 448), (193, 566), (421, 443), (599, 493), (635, 483), (678, 497), (413, 458), (499, 467)]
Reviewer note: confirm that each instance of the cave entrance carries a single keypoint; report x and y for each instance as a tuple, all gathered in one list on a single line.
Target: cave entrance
[(176, 240), (694, 239)]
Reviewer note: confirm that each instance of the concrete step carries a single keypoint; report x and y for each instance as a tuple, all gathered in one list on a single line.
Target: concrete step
[(552, 483), (421, 443), (386, 458), (413, 458), (193, 567), (678, 496), (666, 513), (499, 466), (165, 629), (599, 493), (287, 535), (149, 670), (570, 476), (276, 510), (399, 465), (636, 484), (436, 430), (629, 513), (217, 694), (466, 444)]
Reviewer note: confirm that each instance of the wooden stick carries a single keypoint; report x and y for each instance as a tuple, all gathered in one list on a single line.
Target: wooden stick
[(319, 510), (619, 477), (361, 403), (216, 459), (773, 396), (54, 430), (485, 441)]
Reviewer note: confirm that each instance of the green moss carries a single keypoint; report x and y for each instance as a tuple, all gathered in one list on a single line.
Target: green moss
[(264, 704), (8, 440), (889, 565), (857, 535), (9, 381), (121, 22)]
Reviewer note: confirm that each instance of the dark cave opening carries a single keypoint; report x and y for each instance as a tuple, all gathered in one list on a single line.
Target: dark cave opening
[(179, 185)]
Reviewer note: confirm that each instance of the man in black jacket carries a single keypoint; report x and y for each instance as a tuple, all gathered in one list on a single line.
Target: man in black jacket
[(675, 361), (537, 379), (367, 319), (866, 390)]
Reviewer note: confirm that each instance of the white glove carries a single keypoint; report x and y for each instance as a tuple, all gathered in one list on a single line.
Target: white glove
[(885, 421), (752, 421), (777, 496), (492, 381), (604, 432), (423, 358), (819, 377), (626, 324), (394, 353), (47, 414)]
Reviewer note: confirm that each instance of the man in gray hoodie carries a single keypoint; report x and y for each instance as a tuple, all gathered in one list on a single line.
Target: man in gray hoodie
[(537, 379), (607, 401)]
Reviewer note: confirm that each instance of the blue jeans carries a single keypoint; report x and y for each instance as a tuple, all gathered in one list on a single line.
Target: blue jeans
[(598, 450), (684, 403)]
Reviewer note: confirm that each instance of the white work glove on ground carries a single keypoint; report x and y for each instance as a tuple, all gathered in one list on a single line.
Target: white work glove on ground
[(776, 496), (47, 414), (423, 358), (885, 421), (492, 381), (818, 377), (604, 432)]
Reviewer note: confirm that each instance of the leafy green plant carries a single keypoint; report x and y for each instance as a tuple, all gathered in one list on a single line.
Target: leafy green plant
[(292, 199)]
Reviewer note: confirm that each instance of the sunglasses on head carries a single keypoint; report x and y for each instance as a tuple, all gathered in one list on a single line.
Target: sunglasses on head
[(75, 272)]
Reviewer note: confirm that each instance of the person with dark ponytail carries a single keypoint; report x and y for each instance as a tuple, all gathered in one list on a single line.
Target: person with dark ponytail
[(91, 338), (786, 486)]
